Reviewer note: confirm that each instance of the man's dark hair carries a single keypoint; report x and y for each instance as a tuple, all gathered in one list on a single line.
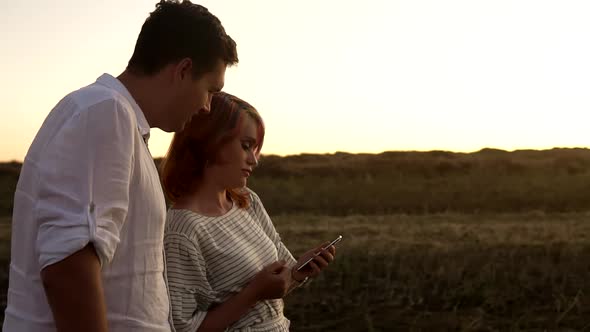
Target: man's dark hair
[(178, 30)]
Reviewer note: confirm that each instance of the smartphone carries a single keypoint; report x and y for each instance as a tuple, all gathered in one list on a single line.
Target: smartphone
[(338, 239)]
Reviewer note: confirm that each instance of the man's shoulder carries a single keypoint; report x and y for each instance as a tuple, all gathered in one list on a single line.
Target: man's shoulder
[(95, 94)]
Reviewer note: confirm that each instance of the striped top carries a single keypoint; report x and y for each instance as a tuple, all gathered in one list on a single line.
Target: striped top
[(210, 259)]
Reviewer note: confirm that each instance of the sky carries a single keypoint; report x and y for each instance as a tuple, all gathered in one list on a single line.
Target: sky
[(334, 75)]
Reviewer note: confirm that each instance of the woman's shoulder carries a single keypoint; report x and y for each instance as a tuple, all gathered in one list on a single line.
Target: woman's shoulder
[(253, 196), (184, 221)]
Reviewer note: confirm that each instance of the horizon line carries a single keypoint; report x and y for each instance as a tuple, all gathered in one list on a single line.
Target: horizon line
[(387, 151)]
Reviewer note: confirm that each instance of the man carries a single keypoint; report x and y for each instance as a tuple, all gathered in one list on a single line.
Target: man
[(88, 221)]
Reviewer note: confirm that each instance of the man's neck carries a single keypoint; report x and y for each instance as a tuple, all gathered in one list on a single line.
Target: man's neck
[(144, 92)]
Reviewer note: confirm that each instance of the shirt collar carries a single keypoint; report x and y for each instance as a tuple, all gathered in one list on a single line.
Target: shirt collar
[(142, 125)]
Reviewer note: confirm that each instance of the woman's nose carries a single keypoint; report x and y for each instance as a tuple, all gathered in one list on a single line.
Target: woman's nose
[(252, 160)]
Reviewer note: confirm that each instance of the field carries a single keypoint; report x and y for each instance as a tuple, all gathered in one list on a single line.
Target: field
[(447, 272), (442, 272), (433, 241), (4, 261)]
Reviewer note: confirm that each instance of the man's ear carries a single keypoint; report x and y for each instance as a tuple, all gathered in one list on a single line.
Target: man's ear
[(184, 69)]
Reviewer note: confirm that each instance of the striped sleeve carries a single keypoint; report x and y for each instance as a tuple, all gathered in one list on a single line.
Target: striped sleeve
[(269, 228), (191, 295)]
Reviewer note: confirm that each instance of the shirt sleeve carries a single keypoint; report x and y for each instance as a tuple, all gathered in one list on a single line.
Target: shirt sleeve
[(268, 227), (84, 183), (191, 295)]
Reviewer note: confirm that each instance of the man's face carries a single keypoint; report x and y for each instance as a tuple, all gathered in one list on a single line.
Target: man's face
[(194, 96)]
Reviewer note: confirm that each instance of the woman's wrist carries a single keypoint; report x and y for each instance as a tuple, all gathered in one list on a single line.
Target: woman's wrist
[(250, 294)]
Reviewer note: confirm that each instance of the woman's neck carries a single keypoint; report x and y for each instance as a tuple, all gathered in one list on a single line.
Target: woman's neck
[(206, 200)]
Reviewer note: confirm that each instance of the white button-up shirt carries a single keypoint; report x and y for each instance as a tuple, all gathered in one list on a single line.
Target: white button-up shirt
[(89, 177)]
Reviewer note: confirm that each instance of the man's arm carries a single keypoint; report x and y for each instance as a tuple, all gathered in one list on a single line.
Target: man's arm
[(74, 291)]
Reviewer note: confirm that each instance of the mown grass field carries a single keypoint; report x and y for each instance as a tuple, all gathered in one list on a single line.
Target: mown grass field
[(447, 272), (440, 272), (433, 241), (4, 261)]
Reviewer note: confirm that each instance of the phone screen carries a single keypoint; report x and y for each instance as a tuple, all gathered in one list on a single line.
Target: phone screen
[(338, 239)]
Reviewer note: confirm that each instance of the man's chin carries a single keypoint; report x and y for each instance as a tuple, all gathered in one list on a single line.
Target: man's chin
[(175, 129), (169, 128)]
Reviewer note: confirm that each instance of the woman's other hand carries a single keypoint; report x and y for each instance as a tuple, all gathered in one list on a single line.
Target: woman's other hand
[(272, 282)]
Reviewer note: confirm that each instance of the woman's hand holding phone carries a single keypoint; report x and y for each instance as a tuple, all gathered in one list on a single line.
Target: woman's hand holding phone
[(312, 262)]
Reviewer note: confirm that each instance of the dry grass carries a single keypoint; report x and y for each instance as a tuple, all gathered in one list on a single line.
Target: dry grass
[(444, 272), (526, 272), (4, 261), (468, 269)]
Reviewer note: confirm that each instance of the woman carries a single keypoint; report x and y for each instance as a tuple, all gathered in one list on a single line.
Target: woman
[(227, 267)]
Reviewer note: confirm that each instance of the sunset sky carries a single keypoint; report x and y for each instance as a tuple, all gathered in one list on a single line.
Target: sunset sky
[(327, 76)]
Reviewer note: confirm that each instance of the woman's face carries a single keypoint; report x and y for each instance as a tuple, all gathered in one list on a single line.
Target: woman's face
[(237, 158)]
